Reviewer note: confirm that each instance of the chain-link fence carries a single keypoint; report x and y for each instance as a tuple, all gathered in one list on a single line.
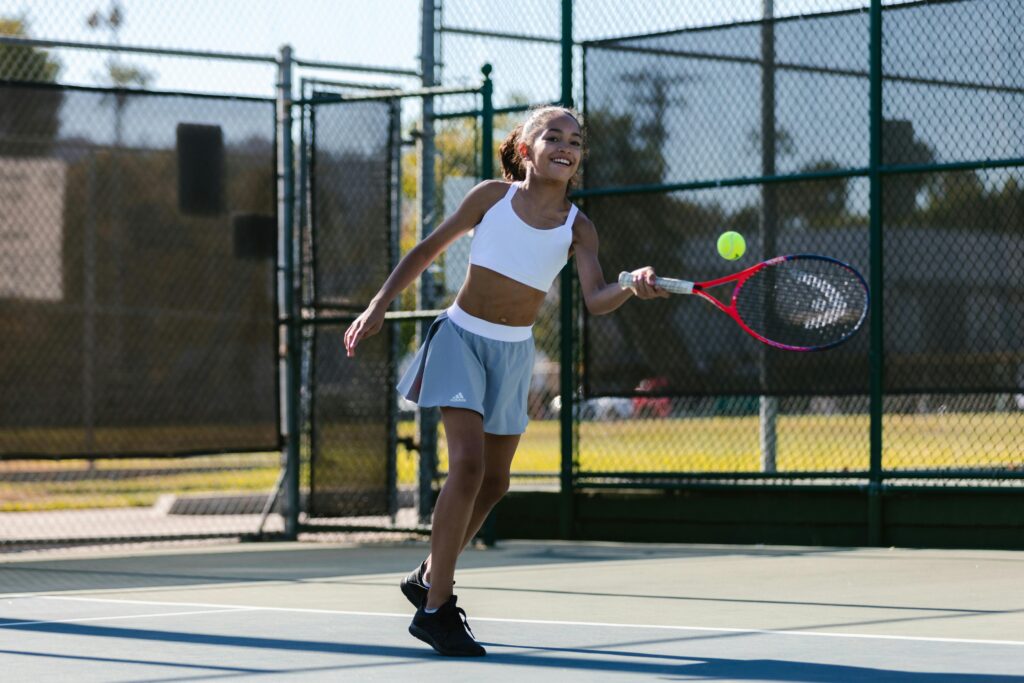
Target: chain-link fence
[(765, 127), (367, 194), (756, 116), (139, 385), (139, 305)]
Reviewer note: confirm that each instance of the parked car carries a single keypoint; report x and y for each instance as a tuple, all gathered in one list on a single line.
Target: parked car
[(654, 406), (599, 409)]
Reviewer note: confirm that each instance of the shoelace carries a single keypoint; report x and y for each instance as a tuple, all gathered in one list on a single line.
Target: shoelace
[(465, 621), (460, 614)]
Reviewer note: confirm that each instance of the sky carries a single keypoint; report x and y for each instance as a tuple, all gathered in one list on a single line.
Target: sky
[(377, 32), (368, 32)]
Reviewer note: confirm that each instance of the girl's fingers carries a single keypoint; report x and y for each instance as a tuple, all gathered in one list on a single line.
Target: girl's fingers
[(351, 339), (645, 284), (357, 332)]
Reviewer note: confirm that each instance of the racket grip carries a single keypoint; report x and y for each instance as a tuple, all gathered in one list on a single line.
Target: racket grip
[(667, 283)]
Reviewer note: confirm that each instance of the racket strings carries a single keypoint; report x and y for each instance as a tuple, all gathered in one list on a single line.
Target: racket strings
[(803, 302)]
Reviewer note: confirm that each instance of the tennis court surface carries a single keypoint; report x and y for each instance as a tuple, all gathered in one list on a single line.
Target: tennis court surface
[(544, 611)]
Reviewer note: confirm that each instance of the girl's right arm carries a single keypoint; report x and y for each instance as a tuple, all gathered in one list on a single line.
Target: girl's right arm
[(470, 212)]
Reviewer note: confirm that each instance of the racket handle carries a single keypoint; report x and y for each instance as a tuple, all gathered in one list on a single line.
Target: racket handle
[(667, 283)]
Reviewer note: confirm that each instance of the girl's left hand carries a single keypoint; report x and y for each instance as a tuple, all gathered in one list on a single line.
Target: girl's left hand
[(367, 324), (643, 284)]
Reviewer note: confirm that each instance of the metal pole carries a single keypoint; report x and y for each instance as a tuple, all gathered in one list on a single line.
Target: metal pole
[(769, 405), (287, 323), (487, 124), (394, 247), (89, 319), (567, 369), (489, 530), (427, 419), (877, 357)]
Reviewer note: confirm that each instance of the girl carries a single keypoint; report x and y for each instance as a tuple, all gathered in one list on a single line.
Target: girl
[(477, 358)]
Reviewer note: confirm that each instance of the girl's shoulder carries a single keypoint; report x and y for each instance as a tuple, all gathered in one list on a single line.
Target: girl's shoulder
[(488, 192), (584, 233), (583, 223), (480, 199), (499, 187)]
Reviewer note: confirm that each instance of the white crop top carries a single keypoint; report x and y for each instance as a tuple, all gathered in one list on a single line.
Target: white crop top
[(504, 243)]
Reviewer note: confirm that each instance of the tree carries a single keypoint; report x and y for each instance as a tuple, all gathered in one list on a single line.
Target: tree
[(900, 146), (120, 74), (29, 122), (815, 203), (637, 230), (959, 199), (22, 62)]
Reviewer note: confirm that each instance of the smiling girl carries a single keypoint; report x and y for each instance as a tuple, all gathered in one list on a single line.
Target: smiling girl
[(477, 358)]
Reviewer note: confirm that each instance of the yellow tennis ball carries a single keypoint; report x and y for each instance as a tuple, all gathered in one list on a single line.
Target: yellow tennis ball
[(731, 245)]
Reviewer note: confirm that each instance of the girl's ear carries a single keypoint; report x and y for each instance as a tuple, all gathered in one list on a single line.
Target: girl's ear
[(523, 149)]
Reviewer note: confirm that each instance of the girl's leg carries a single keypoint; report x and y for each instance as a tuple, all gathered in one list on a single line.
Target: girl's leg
[(499, 449), (464, 431)]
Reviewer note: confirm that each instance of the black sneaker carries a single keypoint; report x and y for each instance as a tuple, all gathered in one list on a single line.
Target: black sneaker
[(447, 631), (413, 586)]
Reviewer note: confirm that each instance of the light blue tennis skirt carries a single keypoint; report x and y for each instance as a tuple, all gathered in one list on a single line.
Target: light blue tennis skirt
[(466, 362)]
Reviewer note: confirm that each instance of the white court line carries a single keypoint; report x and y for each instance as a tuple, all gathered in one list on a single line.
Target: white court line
[(124, 616), (598, 624)]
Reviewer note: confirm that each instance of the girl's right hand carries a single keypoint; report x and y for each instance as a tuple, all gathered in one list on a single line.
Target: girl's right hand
[(367, 324)]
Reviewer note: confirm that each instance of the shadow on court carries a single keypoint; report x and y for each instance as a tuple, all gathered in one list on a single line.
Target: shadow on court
[(602, 660)]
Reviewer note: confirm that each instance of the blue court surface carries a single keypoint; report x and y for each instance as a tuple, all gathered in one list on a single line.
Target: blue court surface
[(544, 611)]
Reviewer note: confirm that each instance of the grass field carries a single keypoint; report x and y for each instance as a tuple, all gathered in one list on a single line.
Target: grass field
[(34, 486), (732, 444), (712, 444)]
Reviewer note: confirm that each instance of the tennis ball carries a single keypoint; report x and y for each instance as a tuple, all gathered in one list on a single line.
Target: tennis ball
[(731, 245)]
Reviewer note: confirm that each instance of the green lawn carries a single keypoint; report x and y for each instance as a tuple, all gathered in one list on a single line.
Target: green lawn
[(732, 444), (719, 444), (132, 482)]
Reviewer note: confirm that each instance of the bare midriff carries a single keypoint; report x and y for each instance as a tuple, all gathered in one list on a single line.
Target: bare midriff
[(499, 299)]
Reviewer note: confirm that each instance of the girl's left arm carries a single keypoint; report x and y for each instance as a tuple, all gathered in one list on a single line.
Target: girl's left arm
[(600, 296)]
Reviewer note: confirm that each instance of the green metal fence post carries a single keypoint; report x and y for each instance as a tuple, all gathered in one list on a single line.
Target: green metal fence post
[(567, 379), (768, 405), (290, 363), (489, 532), (427, 420), (487, 124), (876, 407)]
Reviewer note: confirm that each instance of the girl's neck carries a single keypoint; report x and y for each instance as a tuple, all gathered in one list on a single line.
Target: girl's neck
[(542, 190)]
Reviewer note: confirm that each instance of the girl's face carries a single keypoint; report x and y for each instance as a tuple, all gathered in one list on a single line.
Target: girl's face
[(556, 150)]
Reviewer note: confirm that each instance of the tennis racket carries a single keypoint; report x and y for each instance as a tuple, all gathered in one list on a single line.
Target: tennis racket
[(802, 302)]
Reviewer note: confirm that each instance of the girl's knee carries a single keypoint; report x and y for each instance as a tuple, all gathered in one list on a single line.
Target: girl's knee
[(494, 487), (465, 475)]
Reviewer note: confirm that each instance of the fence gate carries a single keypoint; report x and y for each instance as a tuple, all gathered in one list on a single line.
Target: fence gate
[(351, 175), (352, 158)]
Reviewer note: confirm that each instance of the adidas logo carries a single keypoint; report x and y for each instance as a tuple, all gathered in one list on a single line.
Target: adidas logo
[(458, 398)]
